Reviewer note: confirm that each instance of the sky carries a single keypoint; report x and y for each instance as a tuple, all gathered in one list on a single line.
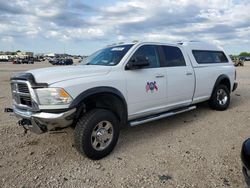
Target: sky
[(84, 26)]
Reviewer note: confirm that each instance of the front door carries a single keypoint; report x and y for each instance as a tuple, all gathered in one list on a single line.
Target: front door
[(146, 87)]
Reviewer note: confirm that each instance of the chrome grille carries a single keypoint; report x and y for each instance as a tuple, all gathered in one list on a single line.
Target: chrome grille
[(22, 87), (21, 94), (25, 100)]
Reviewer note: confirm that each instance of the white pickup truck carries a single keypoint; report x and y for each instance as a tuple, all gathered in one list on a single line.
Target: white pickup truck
[(120, 85)]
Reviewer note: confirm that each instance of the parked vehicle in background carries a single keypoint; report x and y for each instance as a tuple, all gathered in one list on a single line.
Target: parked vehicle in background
[(31, 61), (244, 58), (122, 85), (51, 60), (68, 62), (37, 59), (17, 61), (11, 59), (62, 61), (241, 58), (23, 61), (4, 58), (247, 58), (28, 61)]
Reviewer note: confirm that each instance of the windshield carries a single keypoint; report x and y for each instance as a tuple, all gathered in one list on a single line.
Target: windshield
[(108, 56)]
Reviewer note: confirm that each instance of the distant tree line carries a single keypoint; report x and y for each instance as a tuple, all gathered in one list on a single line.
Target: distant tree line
[(245, 54), (242, 54)]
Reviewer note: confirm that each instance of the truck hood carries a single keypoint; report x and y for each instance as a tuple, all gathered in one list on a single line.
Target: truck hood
[(52, 75)]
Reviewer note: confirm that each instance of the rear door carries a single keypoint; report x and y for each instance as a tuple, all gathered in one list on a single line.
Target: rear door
[(180, 77)]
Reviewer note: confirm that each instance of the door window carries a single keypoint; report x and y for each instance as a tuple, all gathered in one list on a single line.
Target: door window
[(151, 54)]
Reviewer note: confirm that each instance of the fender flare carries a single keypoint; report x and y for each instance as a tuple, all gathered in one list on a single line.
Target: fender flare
[(219, 79), (78, 101)]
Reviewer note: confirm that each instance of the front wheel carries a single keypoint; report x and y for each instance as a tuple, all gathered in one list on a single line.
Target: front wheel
[(96, 133), (220, 98)]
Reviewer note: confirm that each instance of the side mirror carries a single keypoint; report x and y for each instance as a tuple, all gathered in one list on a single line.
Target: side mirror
[(137, 62)]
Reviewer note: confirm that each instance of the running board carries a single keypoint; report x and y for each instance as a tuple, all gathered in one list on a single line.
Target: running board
[(160, 116)]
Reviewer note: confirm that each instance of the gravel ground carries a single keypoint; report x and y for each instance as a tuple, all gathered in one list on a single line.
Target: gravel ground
[(200, 148)]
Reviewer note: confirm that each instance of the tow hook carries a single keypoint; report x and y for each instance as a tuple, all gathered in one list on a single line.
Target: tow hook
[(8, 110), (24, 122)]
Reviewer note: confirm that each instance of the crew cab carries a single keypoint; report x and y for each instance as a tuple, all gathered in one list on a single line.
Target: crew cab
[(122, 85)]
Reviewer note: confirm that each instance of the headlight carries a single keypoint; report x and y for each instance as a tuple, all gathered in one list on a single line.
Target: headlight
[(53, 96)]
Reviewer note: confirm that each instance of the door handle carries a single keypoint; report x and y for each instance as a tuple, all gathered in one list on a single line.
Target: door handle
[(159, 76), (189, 73)]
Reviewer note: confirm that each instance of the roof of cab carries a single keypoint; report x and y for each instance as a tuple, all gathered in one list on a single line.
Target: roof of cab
[(192, 45), (197, 45)]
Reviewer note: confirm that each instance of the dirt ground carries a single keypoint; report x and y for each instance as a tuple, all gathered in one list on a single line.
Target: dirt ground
[(200, 148)]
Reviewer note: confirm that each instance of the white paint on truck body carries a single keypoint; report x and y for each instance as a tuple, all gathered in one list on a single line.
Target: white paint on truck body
[(173, 87)]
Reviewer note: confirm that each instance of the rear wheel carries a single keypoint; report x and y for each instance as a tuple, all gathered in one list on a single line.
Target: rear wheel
[(220, 98), (96, 133)]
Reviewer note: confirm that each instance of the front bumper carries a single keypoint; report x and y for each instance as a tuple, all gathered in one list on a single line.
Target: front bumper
[(41, 122)]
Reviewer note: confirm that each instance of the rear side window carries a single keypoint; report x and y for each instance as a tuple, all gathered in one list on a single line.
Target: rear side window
[(205, 57), (173, 56)]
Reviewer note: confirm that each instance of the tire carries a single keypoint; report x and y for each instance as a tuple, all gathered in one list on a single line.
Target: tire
[(93, 123), (220, 98)]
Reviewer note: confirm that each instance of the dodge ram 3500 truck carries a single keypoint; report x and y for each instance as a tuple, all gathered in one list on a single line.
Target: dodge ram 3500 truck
[(120, 85)]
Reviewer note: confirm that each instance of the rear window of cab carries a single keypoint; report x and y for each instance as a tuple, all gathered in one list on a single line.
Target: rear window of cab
[(209, 57)]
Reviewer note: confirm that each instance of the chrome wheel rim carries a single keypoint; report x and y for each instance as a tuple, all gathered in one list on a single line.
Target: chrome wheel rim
[(222, 97), (102, 135)]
